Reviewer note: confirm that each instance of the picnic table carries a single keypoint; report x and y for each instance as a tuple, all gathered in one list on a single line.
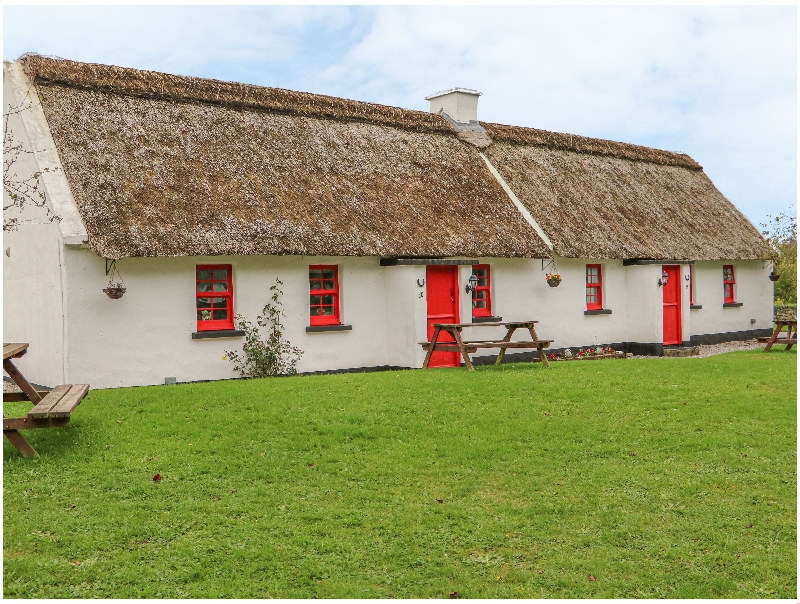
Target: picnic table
[(51, 408), (791, 334), (467, 347)]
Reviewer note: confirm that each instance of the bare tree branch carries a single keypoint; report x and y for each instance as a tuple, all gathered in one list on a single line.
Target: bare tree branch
[(22, 191)]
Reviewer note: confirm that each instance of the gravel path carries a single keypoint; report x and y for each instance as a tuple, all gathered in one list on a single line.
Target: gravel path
[(712, 349)]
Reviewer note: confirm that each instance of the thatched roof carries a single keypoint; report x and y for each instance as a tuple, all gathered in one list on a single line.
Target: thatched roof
[(162, 165), (602, 199)]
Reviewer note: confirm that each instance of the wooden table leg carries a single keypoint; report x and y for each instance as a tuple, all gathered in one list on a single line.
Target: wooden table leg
[(20, 381), (22, 445), (774, 336), (790, 335), (456, 333), (503, 350), (542, 354), (433, 344)]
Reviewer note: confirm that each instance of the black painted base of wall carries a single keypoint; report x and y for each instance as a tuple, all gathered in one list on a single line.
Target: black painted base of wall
[(358, 370)]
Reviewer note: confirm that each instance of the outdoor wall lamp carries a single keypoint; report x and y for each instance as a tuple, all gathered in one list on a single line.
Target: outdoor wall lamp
[(664, 279), (472, 285)]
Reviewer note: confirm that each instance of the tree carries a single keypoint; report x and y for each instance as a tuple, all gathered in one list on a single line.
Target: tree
[(781, 232), (22, 191)]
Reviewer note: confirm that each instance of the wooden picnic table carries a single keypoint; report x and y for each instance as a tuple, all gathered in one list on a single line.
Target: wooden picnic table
[(51, 408), (791, 334), (467, 347)]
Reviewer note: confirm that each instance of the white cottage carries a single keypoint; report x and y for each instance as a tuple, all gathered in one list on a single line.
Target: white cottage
[(201, 193)]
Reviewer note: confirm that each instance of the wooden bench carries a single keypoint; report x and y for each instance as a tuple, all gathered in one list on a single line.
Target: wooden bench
[(465, 348), (789, 340), (51, 409)]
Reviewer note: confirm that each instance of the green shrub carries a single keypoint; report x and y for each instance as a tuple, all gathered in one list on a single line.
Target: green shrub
[(265, 357)]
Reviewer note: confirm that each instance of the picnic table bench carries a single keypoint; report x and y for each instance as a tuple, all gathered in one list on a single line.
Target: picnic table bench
[(471, 346), (789, 340), (51, 408)]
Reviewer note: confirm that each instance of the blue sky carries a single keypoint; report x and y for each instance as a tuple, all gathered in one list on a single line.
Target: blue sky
[(718, 83)]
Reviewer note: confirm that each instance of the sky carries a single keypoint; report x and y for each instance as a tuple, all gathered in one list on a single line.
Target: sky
[(717, 83)]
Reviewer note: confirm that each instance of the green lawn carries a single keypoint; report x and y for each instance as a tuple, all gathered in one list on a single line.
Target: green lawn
[(647, 478)]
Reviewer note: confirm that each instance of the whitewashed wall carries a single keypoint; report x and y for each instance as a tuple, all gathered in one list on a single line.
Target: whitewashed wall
[(753, 289), (32, 286), (145, 336)]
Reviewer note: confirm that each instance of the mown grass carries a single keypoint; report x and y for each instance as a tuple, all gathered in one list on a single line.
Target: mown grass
[(640, 478)]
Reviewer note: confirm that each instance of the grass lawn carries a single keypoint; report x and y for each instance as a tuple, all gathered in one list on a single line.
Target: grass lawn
[(647, 478)]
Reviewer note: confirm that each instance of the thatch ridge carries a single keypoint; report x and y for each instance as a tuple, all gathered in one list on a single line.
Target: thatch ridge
[(519, 135), (162, 86)]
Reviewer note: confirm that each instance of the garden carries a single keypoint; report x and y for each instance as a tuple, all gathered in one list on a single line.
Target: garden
[(652, 478)]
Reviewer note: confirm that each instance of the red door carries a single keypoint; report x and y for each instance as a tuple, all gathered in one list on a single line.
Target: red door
[(442, 286), (672, 305)]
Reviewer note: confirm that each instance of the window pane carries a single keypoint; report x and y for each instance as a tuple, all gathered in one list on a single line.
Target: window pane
[(483, 282), (316, 285), (203, 315), (328, 285), (327, 274), (481, 294), (220, 314), (221, 274), (220, 286), (220, 303), (327, 300), (203, 274), (204, 286), (480, 304), (204, 303), (315, 274), (327, 310), (316, 300), (315, 311)]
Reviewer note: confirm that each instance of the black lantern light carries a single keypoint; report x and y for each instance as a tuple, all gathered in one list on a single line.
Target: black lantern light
[(472, 285), (664, 279)]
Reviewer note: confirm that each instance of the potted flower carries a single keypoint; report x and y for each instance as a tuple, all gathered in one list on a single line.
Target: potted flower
[(553, 279), (114, 290)]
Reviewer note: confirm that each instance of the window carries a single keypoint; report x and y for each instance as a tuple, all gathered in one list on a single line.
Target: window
[(481, 297), (729, 280), (594, 287), (214, 297), (324, 288)]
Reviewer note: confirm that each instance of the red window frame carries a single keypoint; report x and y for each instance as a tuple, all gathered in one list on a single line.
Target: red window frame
[(323, 295), (482, 293), (728, 283), (594, 287), (214, 296)]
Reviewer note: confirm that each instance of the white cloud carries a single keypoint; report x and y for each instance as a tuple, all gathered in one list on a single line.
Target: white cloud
[(718, 83)]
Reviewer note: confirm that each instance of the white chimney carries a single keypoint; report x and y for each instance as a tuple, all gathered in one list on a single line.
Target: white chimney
[(460, 105)]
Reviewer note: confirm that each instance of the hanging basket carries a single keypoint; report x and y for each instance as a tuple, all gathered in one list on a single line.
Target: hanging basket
[(115, 293), (774, 277), (553, 282)]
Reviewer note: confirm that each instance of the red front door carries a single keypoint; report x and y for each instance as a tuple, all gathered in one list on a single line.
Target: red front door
[(672, 305), (442, 293)]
